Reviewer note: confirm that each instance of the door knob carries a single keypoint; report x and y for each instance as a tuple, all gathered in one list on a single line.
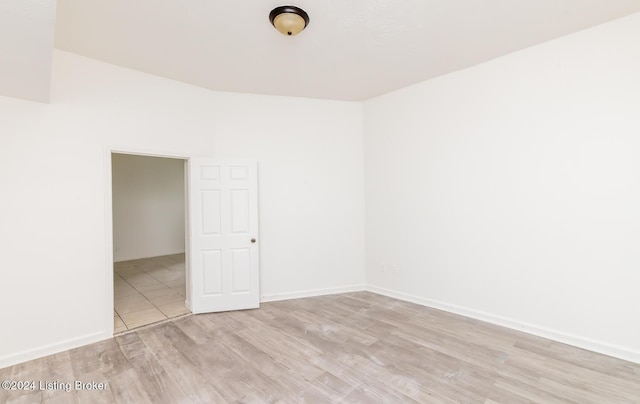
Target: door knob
[(253, 240)]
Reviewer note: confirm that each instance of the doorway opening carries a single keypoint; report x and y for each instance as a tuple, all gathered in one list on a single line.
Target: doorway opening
[(219, 258), (149, 205)]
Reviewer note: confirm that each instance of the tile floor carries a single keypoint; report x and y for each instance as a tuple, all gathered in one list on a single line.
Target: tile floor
[(148, 290)]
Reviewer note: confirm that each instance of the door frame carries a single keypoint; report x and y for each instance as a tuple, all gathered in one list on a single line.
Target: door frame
[(109, 298)]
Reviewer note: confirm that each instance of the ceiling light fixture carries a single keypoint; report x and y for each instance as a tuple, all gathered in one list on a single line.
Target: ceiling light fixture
[(289, 20)]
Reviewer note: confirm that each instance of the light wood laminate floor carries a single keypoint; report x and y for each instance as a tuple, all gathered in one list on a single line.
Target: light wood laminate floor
[(348, 348)]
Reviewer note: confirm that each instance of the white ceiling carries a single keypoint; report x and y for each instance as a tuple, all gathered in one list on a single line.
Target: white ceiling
[(352, 49), (26, 46)]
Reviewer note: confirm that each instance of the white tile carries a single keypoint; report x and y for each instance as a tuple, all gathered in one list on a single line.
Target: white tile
[(131, 303), (141, 280), (127, 272), (176, 284), (166, 298), (174, 309), (165, 290), (178, 266), (124, 292), (117, 322), (164, 275), (142, 317), (149, 290)]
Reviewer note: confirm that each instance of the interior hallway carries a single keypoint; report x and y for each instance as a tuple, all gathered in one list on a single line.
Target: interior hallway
[(148, 290)]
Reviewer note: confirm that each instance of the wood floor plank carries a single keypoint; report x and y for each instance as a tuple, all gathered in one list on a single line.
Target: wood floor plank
[(159, 387), (127, 387), (533, 393), (26, 372), (26, 398), (57, 367), (104, 396), (343, 332), (192, 382), (191, 329), (350, 348), (160, 342)]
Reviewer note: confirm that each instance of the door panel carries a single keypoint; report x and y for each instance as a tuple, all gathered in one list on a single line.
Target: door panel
[(211, 212), (212, 272), (241, 269), (224, 221)]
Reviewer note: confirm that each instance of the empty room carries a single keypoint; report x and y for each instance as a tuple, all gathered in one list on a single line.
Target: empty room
[(340, 202), (148, 205)]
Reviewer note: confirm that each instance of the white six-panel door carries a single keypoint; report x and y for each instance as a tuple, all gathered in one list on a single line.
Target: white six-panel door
[(223, 235)]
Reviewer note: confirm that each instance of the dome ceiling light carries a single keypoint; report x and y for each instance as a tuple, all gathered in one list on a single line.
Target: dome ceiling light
[(289, 20)]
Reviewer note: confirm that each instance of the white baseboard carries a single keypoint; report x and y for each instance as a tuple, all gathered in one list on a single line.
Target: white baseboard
[(137, 257), (50, 349), (591, 345), (46, 350), (312, 293), (580, 342)]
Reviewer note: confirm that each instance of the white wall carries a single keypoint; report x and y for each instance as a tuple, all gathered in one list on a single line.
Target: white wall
[(511, 191), (508, 191), (148, 206), (54, 169)]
